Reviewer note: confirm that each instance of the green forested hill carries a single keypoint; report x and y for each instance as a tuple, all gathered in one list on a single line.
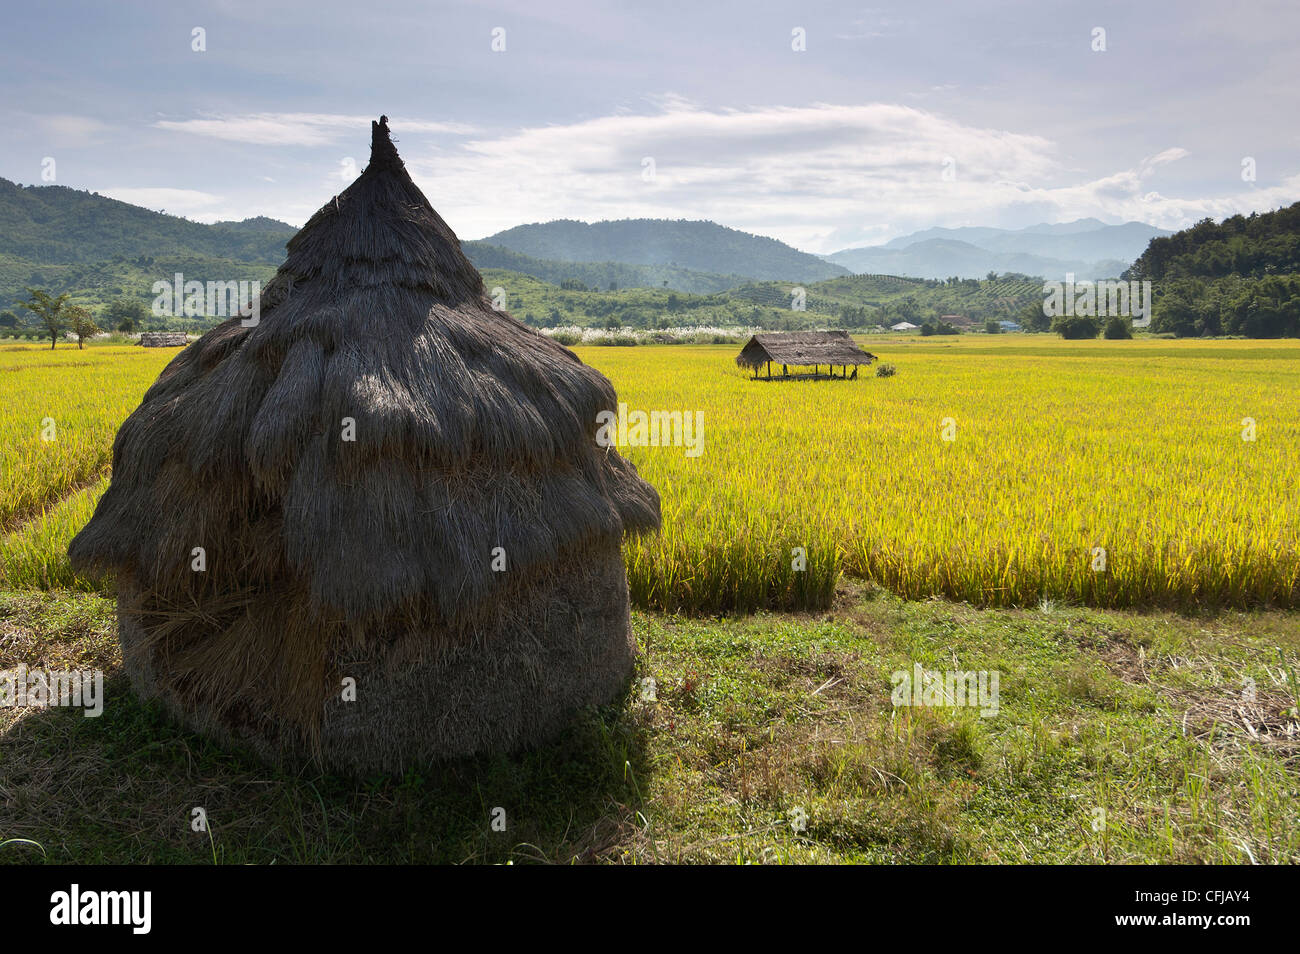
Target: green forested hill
[(859, 300), (99, 249), (1240, 276), (95, 284), (55, 225), (542, 304), (1247, 246)]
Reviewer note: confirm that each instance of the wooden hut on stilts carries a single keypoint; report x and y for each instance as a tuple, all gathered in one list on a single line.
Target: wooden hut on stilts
[(804, 349)]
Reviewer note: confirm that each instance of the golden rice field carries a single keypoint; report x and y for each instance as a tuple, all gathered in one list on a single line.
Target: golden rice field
[(1059, 451), (1060, 448), (61, 409)]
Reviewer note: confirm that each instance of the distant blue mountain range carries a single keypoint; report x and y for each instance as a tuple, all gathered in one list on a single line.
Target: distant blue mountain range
[(1087, 247)]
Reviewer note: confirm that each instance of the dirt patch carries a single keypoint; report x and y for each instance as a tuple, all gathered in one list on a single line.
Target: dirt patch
[(1231, 713)]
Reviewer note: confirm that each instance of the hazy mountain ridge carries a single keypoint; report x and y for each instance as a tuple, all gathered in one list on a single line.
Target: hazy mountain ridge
[(698, 245), (1087, 247), (100, 248), (66, 238), (599, 274), (941, 258)]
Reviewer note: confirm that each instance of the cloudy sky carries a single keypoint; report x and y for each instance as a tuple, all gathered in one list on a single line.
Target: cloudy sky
[(891, 118)]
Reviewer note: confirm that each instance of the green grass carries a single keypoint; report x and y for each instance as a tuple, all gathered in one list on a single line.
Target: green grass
[(756, 720)]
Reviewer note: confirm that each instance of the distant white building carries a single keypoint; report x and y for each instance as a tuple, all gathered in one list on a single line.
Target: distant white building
[(904, 326)]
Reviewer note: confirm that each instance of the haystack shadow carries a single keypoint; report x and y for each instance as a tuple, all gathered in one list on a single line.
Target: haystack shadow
[(121, 788)]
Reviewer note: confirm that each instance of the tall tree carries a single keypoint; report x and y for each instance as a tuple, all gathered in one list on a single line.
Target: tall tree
[(126, 314), (83, 326), (50, 311)]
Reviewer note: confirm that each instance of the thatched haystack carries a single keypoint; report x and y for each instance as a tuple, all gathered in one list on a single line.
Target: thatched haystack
[(390, 482)]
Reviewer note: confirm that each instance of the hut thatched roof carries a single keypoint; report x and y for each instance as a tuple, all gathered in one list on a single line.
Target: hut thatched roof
[(801, 348), (469, 431)]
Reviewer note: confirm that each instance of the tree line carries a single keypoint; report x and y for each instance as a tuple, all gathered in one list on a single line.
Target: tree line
[(1240, 276), (55, 315)]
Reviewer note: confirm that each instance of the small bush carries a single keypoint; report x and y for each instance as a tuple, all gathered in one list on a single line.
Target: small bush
[(1076, 327), (1117, 328), (886, 370)]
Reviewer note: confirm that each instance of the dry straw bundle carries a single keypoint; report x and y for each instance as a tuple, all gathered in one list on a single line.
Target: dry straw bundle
[(357, 469)]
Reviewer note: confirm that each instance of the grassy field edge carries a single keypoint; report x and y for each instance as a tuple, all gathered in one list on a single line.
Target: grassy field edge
[(1120, 737)]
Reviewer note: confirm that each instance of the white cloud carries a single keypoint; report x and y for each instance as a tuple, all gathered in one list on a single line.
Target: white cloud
[(296, 129), (821, 177), (797, 172), (1149, 164)]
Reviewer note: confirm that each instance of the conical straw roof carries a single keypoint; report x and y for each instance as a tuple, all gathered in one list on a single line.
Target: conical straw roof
[(471, 431)]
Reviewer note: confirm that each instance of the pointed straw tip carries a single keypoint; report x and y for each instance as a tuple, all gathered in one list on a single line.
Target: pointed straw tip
[(382, 150)]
